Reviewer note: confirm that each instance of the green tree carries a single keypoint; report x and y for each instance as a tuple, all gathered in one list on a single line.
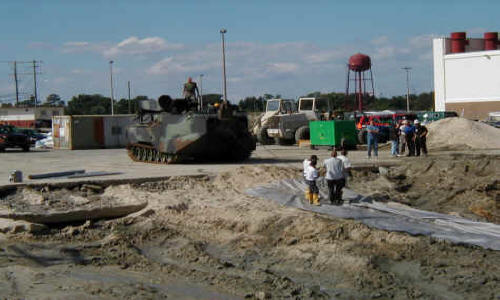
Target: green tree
[(53, 100), (122, 106), (84, 104)]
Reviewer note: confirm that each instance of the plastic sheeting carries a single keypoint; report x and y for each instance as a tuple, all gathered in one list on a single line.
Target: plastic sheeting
[(389, 216)]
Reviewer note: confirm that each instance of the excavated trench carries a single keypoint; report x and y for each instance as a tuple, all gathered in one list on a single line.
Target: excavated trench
[(205, 237)]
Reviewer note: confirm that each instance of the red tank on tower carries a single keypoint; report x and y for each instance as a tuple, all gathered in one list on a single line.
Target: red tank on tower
[(361, 65)]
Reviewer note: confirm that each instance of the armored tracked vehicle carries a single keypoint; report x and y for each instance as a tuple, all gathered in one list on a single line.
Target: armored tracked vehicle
[(170, 131)]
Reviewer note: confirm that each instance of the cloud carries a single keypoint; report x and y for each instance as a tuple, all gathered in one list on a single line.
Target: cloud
[(282, 67), (135, 46), (291, 69), (381, 40), (82, 47), (130, 46), (422, 41)]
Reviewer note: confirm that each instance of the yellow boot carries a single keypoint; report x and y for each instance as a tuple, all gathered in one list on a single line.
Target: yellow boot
[(309, 196), (316, 199)]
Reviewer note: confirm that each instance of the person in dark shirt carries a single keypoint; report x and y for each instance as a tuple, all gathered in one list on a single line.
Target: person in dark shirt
[(420, 138), (394, 138), (409, 132)]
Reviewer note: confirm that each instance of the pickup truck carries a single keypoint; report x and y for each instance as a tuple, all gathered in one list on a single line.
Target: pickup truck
[(9, 138)]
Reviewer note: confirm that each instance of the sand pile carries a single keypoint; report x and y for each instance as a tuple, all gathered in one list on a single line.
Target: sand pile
[(460, 133)]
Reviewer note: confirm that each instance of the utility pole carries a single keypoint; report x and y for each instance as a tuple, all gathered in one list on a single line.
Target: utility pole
[(34, 83), (128, 85), (111, 81), (33, 64), (201, 92), (407, 69), (222, 32), (16, 82)]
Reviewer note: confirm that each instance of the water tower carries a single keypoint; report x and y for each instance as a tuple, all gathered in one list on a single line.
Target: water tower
[(360, 65)]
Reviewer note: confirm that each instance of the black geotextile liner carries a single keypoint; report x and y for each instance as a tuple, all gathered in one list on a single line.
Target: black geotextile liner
[(388, 216)]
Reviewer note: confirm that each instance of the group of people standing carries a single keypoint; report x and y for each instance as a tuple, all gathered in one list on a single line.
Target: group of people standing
[(336, 169), (407, 136)]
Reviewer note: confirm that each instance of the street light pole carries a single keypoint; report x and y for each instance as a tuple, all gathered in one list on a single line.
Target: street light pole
[(111, 82), (407, 69), (128, 85), (201, 91), (222, 32)]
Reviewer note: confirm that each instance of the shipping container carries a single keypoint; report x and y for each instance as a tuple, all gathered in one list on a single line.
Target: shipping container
[(90, 132)]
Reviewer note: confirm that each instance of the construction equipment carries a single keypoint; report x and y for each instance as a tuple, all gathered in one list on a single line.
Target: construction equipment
[(273, 107), (292, 127), (171, 130)]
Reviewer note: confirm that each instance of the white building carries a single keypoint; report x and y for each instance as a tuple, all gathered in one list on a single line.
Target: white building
[(29, 117), (467, 74)]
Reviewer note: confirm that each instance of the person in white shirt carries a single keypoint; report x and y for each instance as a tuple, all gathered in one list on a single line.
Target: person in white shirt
[(306, 164), (347, 164), (335, 177), (311, 175)]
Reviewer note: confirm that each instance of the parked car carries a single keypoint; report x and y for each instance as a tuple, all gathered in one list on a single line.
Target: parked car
[(32, 134), (10, 138)]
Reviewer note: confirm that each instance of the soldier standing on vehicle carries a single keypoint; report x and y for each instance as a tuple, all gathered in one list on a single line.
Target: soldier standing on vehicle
[(420, 138), (191, 92), (372, 135)]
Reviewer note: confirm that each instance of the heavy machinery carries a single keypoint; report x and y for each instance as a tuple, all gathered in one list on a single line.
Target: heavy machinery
[(292, 127), (170, 131), (273, 107)]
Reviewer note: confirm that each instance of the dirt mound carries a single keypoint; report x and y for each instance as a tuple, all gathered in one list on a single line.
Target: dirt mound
[(460, 133), (466, 185)]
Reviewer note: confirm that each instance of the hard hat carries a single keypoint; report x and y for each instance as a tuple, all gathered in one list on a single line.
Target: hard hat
[(216, 104), (417, 121)]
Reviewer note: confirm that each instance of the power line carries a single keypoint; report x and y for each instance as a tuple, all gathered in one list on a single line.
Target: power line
[(35, 66)]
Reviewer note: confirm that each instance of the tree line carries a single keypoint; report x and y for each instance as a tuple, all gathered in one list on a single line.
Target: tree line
[(96, 104), (339, 102)]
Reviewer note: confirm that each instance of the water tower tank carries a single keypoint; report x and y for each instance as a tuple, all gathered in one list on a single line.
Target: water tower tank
[(359, 62)]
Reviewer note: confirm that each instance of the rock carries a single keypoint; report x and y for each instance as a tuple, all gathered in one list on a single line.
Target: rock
[(262, 295), (383, 171), (82, 213), (13, 226)]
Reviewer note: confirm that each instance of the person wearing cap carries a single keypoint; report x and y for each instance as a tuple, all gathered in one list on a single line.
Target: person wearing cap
[(420, 138)]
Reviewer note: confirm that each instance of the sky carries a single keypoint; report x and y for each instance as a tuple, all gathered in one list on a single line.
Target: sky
[(281, 47)]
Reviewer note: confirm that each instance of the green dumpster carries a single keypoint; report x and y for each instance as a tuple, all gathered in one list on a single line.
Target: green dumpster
[(333, 133)]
